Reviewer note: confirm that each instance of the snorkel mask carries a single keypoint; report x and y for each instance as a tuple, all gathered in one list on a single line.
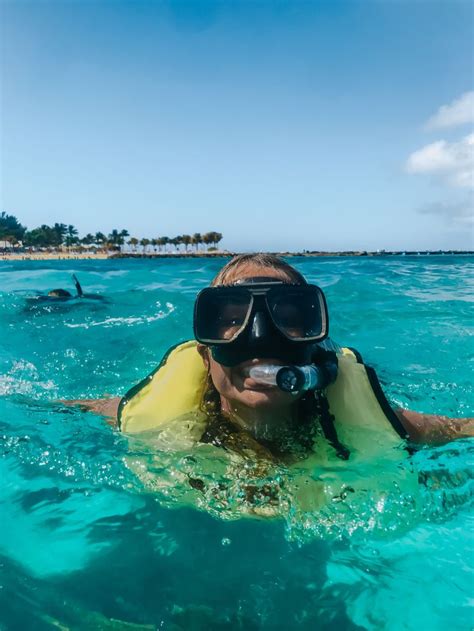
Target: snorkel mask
[(261, 317)]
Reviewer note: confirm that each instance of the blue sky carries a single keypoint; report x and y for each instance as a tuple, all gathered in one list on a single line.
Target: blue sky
[(283, 125)]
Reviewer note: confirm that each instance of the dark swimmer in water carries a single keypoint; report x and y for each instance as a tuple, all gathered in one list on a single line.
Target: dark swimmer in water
[(57, 297)]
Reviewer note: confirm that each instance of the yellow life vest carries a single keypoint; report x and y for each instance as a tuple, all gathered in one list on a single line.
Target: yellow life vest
[(176, 388), (162, 414)]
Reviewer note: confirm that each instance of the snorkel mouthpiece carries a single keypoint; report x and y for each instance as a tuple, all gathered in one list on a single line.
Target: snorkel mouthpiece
[(294, 379), (298, 378)]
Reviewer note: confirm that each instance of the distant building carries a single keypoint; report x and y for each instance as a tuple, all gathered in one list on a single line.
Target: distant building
[(6, 245)]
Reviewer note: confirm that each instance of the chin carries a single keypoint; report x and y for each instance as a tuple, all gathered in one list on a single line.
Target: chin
[(264, 399)]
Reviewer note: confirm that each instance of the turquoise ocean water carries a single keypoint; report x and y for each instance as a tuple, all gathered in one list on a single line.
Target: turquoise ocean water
[(85, 546)]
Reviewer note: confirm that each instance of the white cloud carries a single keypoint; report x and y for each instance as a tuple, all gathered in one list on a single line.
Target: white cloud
[(452, 162), (460, 212), (459, 112)]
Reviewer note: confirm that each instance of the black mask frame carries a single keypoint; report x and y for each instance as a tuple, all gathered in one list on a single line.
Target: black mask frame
[(258, 335), (257, 297)]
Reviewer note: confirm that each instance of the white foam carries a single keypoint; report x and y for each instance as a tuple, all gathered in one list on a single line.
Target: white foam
[(128, 321), (23, 379)]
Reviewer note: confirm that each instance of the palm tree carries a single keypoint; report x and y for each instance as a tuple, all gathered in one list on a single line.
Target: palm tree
[(116, 238), (133, 242), (197, 240), (217, 238), (186, 239), (100, 239), (206, 239), (162, 242), (49, 237), (71, 236), (113, 237), (10, 227), (144, 243), (61, 230), (212, 237), (176, 241), (88, 239)]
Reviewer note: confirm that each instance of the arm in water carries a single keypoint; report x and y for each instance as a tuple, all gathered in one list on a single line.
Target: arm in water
[(104, 407), (433, 429)]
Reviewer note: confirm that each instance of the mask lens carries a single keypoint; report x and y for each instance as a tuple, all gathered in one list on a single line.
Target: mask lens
[(230, 319), (298, 312), (221, 315)]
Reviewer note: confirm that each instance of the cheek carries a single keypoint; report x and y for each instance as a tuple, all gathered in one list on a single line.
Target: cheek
[(221, 377)]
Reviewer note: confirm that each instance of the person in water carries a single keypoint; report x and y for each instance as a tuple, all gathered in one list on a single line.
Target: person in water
[(262, 369), (59, 296), (63, 294)]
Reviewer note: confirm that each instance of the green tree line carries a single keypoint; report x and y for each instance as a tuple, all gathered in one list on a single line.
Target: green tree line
[(62, 235)]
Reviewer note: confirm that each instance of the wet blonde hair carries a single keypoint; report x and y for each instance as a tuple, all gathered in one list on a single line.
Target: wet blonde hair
[(229, 273)]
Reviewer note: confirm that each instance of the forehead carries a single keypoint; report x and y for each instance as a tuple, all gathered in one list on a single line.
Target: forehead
[(251, 270)]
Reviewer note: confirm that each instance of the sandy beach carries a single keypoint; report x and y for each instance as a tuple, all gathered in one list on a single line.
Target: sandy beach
[(51, 256), (59, 255)]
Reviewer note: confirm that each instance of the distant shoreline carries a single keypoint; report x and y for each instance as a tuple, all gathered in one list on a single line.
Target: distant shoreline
[(68, 256), (52, 256)]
